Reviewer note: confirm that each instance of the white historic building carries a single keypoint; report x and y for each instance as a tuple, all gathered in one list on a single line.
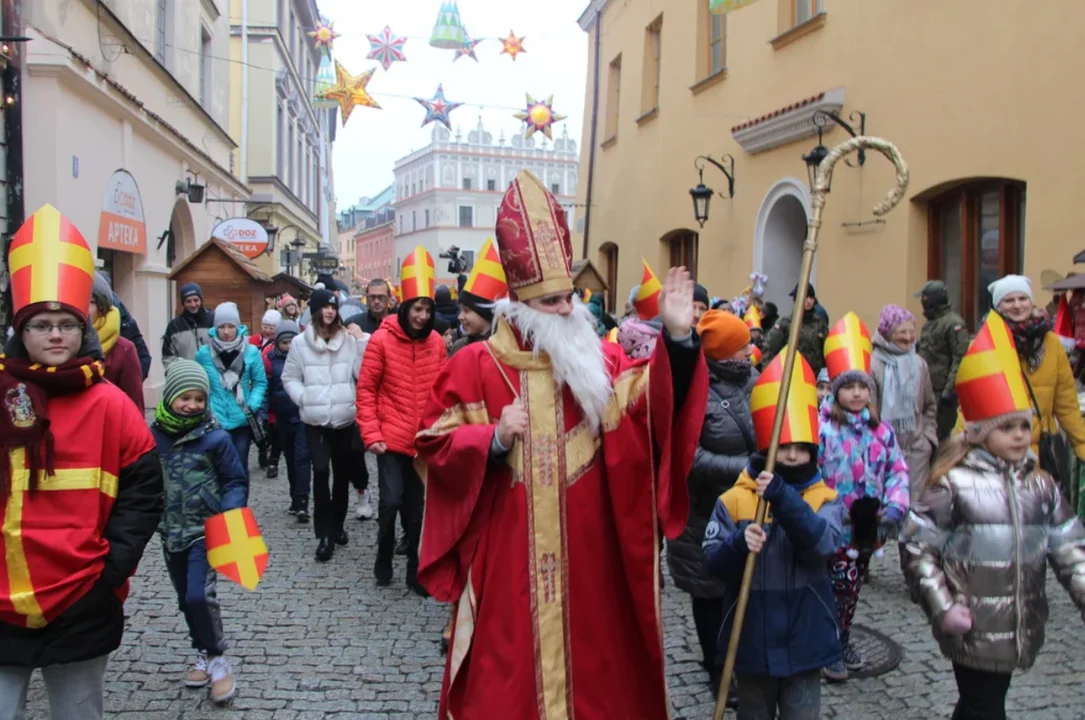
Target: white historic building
[(448, 193)]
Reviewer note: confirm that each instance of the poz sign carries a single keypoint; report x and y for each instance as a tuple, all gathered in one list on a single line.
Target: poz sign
[(249, 236)]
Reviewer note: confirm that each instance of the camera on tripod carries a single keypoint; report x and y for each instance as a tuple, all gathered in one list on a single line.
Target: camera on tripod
[(456, 262)]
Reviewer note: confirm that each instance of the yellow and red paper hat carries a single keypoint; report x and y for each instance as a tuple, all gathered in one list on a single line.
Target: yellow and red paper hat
[(50, 262), (989, 380), (801, 413), (752, 318), (487, 279), (418, 276), (848, 347), (235, 546), (755, 355), (647, 300)]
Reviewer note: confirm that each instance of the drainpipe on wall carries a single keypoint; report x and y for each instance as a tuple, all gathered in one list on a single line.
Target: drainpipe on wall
[(11, 80), (594, 127), (244, 91)]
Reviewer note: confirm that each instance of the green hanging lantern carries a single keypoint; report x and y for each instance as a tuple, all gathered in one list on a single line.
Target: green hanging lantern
[(325, 80), (448, 33)]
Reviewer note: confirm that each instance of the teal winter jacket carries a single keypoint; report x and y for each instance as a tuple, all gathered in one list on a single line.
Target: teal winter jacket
[(253, 385)]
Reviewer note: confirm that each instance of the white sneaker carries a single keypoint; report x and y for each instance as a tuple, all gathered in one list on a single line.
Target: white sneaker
[(223, 686), (197, 676), (365, 508)]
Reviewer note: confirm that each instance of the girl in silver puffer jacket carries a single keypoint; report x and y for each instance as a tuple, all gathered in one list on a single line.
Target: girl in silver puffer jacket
[(974, 551)]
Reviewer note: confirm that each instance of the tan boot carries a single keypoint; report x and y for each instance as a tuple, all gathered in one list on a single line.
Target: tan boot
[(198, 676), (223, 687)]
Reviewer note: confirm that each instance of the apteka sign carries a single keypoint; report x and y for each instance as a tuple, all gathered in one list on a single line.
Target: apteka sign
[(121, 225)]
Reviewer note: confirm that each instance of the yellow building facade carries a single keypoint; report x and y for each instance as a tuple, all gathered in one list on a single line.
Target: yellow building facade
[(976, 97)]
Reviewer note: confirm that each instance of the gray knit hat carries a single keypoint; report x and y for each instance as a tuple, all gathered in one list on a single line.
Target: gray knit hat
[(975, 433), (849, 376), (184, 376), (101, 293), (226, 314), (286, 327)]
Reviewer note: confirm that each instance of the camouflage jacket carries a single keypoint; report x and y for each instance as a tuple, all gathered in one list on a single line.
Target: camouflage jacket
[(811, 339), (942, 343), (202, 476)]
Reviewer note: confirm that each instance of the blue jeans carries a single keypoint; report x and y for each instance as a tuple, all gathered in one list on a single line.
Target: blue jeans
[(194, 581), (242, 438), (295, 446)]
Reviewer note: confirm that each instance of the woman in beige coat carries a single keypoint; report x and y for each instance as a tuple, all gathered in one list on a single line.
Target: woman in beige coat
[(905, 396)]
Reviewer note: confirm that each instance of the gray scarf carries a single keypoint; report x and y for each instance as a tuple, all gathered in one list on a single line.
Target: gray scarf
[(230, 377), (899, 402)]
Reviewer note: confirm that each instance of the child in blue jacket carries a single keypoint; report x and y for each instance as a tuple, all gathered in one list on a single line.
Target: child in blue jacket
[(789, 633), (203, 476)]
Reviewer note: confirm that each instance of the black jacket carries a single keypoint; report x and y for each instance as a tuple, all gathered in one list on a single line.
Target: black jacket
[(365, 321), (186, 334), (726, 443), (130, 331), (93, 626)]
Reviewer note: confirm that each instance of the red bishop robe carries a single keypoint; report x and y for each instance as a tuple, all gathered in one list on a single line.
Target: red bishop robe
[(551, 553)]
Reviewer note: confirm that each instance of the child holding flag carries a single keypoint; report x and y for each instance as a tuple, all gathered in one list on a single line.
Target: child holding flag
[(203, 476), (975, 547), (789, 633), (860, 458)]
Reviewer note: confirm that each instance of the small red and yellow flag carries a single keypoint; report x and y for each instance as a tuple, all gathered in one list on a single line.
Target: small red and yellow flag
[(848, 346), (752, 318), (801, 414), (235, 546), (50, 261), (989, 380), (487, 279), (755, 355), (647, 300), (418, 275)]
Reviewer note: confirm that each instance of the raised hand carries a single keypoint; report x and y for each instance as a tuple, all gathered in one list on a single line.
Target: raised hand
[(676, 302)]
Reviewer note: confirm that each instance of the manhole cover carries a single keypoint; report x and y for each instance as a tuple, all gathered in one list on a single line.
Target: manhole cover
[(880, 654)]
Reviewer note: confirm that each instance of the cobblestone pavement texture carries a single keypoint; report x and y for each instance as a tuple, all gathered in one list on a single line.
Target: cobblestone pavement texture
[(321, 641)]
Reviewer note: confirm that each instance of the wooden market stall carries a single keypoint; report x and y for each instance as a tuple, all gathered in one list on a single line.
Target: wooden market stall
[(226, 275), (285, 283), (586, 277)]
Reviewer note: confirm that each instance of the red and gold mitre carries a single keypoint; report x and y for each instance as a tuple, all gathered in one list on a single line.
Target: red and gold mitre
[(533, 240), (418, 276), (989, 380), (752, 318), (755, 355), (50, 262), (487, 278), (848, 347), (647, 300), (801, 413)]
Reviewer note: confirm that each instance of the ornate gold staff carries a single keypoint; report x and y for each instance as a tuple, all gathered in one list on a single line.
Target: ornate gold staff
[(817, 202)]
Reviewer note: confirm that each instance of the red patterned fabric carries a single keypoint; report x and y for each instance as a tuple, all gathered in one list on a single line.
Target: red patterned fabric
[(533, 240)]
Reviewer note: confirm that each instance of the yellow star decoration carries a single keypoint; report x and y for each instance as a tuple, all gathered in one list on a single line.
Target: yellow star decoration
[(539, 116), (512, 45), (323, 34), (350, 91)]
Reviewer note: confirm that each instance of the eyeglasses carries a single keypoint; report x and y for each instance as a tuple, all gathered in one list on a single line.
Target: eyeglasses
[(41, 329), (377, 298)]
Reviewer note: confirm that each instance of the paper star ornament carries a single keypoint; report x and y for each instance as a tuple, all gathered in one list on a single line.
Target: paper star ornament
[(438, 109), (323, 35), (539, 116), (512, 45), (386, 48), (350, 91), (468, 50)]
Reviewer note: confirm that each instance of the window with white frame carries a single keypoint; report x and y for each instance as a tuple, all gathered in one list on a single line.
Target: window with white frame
[(160, 31), (280, 145), (467, 216)]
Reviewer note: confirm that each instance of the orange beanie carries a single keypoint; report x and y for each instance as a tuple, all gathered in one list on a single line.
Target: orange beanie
[(722, 334)]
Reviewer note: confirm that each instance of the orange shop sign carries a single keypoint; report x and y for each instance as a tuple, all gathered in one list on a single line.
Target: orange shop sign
[(121, 225), (249, 236)]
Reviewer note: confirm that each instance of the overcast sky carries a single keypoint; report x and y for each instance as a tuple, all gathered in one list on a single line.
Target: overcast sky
[(555, 63)]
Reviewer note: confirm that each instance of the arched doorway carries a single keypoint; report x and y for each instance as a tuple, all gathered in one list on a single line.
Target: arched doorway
[(682, 249), (778, 238), (182, 237), (609, 255)]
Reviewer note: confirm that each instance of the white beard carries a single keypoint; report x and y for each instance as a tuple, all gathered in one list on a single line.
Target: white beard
[(575, 351)]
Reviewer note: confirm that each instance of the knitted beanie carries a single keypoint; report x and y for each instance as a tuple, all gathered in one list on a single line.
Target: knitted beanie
[(190, 289), (1002, 287), (285, 300), (322, 298), (700, 294), (823, 376), (975, 433), (480, 305), (849, 376), (183, 376), (892, 316), (722, 334), (101, 293), (226, 314), (286, 327), (272, 317)]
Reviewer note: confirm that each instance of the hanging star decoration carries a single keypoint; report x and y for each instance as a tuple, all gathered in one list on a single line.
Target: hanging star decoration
[(350, 91), (539, 116), (386, 48), (512, 45), (468, 50), (438, 109), (323, 35)]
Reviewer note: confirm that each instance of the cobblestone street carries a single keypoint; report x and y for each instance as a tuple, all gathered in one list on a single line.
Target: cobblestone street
[(321, 641)]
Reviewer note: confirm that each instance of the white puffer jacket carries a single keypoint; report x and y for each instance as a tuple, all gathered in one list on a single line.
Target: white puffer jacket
[(321, 377)]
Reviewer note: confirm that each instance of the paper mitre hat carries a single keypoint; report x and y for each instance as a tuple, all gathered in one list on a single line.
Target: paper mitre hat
[(533, 240), (51, 263), (417, 275), (801, 413), (755, 355), (847, 351), (752, 318), (487, 279), (989, 380), (647, 300)]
